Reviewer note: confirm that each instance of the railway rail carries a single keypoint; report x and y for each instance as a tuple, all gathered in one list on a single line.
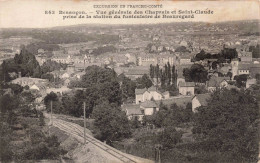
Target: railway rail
[(77, 131)]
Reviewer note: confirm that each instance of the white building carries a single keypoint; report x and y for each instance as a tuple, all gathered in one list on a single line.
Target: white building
[(142, 95)]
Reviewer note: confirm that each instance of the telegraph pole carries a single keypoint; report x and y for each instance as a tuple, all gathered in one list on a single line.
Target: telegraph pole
[(159, 157), (51, 114), (84, 122)]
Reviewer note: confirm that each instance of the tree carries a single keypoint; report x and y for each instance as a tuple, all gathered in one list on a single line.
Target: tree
[(144, 82), (48, 76), (41, 119), (73, 105), (55, 102), (229, 74), (201, 89), (37, 72), (50, 66), (169, 73), (257, 77), (151, 71), (157, 71), (16, 89), (8, 103), (196, 73), (255, 51), (163, 80), (6, 152), (200, 56), (241, 80), (229, 53), (174, 76), (229, 125), (169, 137), (128, 88), (186, 74), (110, 122), (100, 84), (215, 65)]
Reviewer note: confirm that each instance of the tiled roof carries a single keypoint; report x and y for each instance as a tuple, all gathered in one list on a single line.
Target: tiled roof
[(202, 98), (244, 66), (140, 91), (215, 81), (136, 72), (132, 109), (182, 101), (81, 65), (152, 88), (148, 104), (166, 92), (251, 81)]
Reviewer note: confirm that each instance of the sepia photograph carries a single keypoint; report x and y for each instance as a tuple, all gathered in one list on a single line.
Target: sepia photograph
[(129, 81)]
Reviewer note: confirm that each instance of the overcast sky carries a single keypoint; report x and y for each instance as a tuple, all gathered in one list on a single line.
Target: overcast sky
[(30, 13)]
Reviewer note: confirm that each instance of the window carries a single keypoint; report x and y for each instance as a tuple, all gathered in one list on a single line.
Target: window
[(154, 110)]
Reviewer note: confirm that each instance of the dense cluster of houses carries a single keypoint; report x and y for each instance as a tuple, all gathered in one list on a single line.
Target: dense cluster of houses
[(133, 58), (147, 99)]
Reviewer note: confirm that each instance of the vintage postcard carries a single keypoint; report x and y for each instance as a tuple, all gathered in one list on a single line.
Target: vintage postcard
[(129, 81)]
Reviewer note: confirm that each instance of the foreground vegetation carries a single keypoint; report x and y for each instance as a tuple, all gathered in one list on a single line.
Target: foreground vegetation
[(23, 135), (224, 131)]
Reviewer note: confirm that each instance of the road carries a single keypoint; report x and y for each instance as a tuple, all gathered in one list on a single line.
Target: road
[(77, 132)]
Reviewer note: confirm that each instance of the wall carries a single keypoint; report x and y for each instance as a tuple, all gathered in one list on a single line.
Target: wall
[(185, 90), (138, 98), (149, 111), (195, 103), (240, 72), (155, 95)]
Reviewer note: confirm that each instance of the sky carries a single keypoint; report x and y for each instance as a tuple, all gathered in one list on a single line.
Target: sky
[(31, 13)]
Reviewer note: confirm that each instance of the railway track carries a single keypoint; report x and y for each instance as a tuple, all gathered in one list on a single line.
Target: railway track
[(77, 131)]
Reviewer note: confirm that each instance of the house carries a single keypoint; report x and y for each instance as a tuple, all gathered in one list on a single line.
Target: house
[(217, 82), (199, 100), (243, 68), (136, 72), (149, 107), (41, 51), (234, 66), (142, 95), (254, 69), (23, 81), (79, 75), (58, 90), (83, 66), (41, 59), (65, 75), (186, 88), (61, 59), (39, 89), (250, 82), (67, 82), (146, 60), (133, 111), (245, 56), (181, 102)]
